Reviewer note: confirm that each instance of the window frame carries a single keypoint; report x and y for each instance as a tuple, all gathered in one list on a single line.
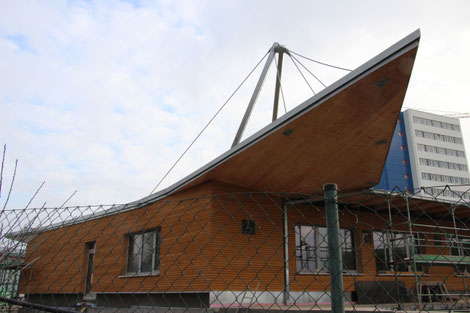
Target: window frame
[(321, 267), (156, 260), (390, 251)]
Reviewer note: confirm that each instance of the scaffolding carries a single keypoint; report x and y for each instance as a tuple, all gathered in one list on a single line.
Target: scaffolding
[(10, 273), (424, 234)]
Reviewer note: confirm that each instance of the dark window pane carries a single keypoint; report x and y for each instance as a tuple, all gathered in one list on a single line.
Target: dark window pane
[(305, 248), (348, 251), (147, 252), (156, 264), (312, 249), (322, 248), (401, 251), (135, 247), (396, 248), (380, 251)]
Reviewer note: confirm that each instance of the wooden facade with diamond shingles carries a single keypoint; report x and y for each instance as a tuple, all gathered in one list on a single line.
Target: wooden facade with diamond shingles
[(203, 248)]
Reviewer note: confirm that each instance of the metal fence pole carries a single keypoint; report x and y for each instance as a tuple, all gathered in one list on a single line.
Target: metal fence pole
[(453, 207), (335, 259), (412, 254), (394, 259), (286, 252)]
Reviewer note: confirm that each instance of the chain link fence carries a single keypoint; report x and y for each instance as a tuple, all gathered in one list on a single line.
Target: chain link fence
[(238, 252)]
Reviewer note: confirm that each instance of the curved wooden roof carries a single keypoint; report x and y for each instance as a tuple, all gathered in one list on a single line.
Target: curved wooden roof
[(341, 135)]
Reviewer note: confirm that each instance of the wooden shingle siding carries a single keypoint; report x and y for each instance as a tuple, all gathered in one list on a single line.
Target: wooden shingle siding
[(203, 247), (241, 260), (60, 253)]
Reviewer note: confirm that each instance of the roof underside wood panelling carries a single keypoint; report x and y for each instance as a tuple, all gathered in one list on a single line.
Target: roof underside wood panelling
[(341, 135), (344, 140)]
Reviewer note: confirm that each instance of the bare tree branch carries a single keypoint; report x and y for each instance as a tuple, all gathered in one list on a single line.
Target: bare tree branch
[(1, 170), (35, 194), (11, 186), (68, 199)]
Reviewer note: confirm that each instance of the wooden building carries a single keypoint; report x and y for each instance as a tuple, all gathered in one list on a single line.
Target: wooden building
[(217, 236)]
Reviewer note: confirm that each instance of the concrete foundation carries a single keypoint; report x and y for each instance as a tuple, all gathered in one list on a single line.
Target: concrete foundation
[(175, 301), (233, 298)]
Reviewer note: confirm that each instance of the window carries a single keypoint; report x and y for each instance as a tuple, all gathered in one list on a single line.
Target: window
[(90, 247), (144, 252), (459, 245), (395, 248), (443, 164), (425, 121), (439, 137), (445, 178), (440, 150), (311, 244)]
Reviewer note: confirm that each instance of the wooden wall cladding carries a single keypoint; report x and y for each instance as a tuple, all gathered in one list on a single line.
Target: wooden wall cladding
[(203, 247), (59, 254)]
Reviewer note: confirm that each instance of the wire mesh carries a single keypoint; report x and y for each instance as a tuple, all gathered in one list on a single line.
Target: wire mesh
[(238, 252)]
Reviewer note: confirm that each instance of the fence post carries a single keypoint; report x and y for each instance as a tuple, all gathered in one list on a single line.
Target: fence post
[(285, 217), (335, 260)]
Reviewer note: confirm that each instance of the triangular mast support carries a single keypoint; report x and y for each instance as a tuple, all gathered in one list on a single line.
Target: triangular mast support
[(276, 48)]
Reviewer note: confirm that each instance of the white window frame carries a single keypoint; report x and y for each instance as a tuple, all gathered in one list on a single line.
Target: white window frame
[(155, 252)]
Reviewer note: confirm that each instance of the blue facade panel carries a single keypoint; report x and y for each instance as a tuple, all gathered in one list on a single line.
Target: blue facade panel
[(396, 174)]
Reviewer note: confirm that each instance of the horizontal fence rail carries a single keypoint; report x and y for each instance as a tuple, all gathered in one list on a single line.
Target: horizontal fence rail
[(239, 252)]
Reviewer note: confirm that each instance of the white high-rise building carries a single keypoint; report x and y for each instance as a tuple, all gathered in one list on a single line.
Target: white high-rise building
[(437, 155)]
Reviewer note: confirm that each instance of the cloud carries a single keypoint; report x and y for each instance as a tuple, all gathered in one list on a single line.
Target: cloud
[(102, 97)]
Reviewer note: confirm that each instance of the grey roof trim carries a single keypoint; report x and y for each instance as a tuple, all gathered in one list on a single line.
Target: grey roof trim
[(379, 192), (383, 192), (404, 45)]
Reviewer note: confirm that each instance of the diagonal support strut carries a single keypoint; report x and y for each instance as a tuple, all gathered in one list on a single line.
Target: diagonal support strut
[(276, 48)]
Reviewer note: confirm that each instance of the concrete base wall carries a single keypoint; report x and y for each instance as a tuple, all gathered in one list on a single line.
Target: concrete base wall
[(183, 300), (68, 300), (213, 299), (227, 298)]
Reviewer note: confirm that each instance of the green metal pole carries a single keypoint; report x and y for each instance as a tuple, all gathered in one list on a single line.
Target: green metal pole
[(394, 259), (335, 259), (459, 249), (412, 254), (286, 253)]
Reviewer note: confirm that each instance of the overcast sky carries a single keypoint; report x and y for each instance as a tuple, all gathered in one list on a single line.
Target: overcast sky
[(103, 96)]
